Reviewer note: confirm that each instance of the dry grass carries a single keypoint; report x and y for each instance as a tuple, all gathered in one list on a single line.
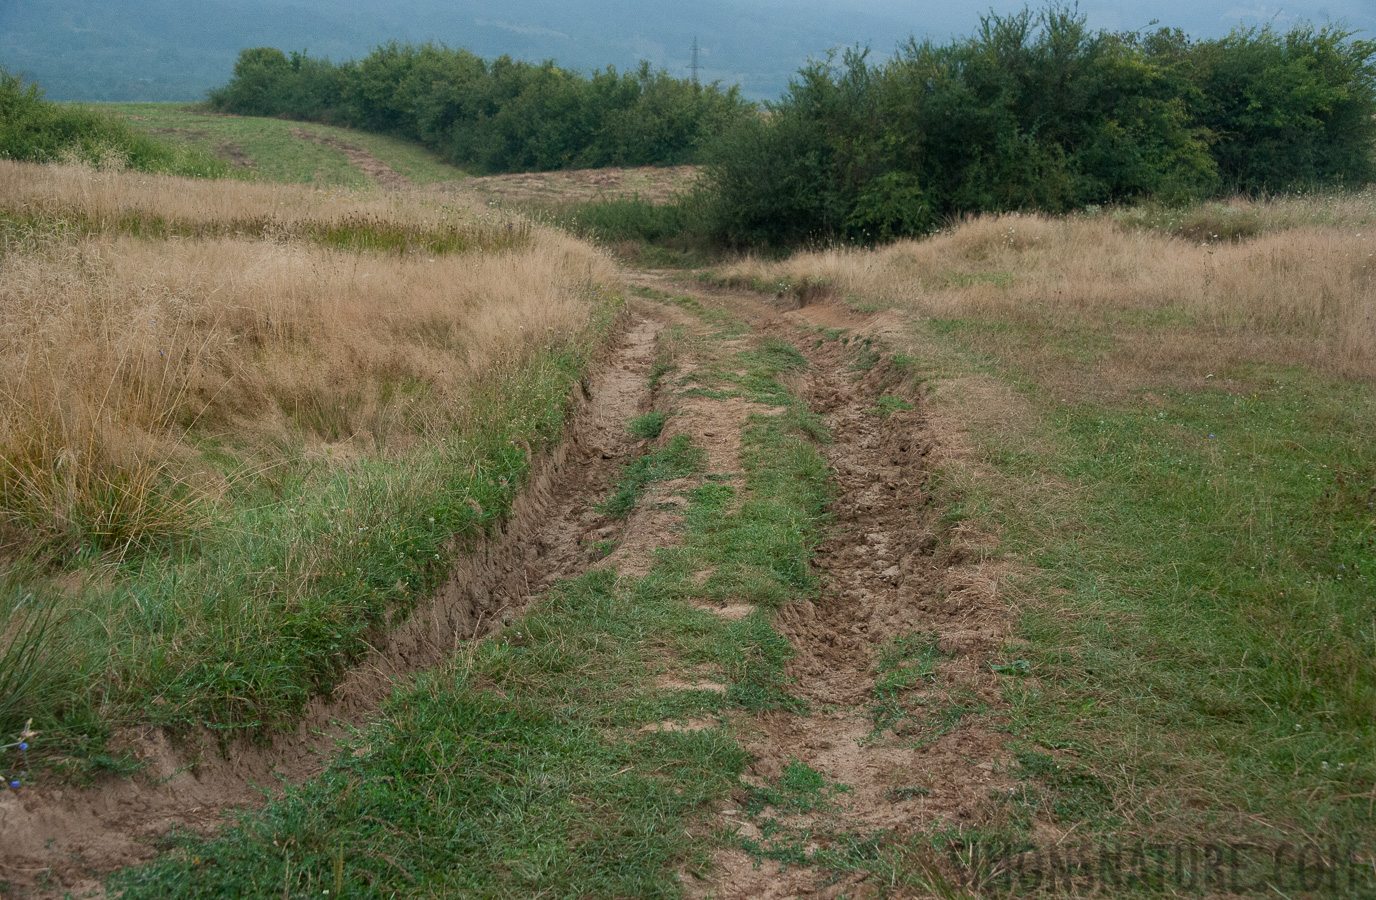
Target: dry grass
[(164, 206), (1163, 305), (1242, 217), (118, 354), (547, 190)]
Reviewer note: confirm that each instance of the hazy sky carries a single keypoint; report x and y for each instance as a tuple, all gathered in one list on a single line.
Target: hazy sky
[(172, 49)]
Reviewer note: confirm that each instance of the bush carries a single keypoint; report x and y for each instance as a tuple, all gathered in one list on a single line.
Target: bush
[(498, 116), (35, 130), (1038, 112)]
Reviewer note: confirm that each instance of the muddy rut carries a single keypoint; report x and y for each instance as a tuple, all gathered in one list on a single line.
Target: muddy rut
[(66, 839)]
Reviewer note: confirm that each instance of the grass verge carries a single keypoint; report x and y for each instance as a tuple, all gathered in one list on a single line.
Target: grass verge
[(266, 607)]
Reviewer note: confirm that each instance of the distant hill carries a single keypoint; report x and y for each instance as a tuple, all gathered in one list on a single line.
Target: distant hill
[(172, 50)]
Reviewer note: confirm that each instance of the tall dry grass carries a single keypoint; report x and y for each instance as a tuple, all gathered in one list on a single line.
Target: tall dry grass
[(1306, 295), (1244, 217), (118, 355), (114, 201)]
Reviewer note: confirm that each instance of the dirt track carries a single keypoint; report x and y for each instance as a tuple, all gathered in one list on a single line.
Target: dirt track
[(889, 573)]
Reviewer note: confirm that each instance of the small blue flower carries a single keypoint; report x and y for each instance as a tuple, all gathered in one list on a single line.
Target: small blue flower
[(23, 746), (14, 784)]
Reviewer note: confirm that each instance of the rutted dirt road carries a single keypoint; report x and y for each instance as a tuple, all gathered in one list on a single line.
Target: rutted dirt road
[(891, 659), (892, 581)]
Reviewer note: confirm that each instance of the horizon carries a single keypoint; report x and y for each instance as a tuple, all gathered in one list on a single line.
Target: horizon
[(81, 50)]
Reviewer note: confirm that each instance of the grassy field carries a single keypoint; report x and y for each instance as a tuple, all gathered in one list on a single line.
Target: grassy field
[(246, 425), (1169, 420), (243, 425), (277, 150)]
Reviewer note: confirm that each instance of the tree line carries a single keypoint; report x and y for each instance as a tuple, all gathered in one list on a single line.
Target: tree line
[(492, 116), (1036, 111)]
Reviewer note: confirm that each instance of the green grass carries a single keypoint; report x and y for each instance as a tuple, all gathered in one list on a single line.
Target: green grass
[(525, 766), (889, 404), (1196, 637), (651, 235), (678, 459), (904, 664), (272, 150), (649, 425), (799, 789), (520, 769), (286, 584), (1193, 656), (444, 234), (35, 130)]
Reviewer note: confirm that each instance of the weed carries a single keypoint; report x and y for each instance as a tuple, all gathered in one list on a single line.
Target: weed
[(887, 405), (800, 789), (904, 663), (649, 425), (864, 355)]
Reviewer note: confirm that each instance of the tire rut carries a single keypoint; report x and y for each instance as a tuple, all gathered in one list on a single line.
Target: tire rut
[(895, 585), (67, 839)]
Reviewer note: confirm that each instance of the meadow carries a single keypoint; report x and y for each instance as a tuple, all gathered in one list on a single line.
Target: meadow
[(279, 150), (1167, 418), (249, 423), (243, 425)]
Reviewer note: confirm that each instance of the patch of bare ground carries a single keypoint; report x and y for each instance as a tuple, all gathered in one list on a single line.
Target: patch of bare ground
[(657, 184), (235, 154), (385, 176), (66, 839), (892, 578)]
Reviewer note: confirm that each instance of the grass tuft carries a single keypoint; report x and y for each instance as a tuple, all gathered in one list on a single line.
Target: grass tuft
[(679, 459)]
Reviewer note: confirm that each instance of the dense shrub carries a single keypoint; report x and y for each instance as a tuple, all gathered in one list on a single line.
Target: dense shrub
[(497, 116), (35, 130), (1038, 112)]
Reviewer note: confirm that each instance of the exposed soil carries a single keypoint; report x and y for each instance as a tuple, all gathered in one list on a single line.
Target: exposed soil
[(65, 839), (386, 177), (236, 155), (888, 573)]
